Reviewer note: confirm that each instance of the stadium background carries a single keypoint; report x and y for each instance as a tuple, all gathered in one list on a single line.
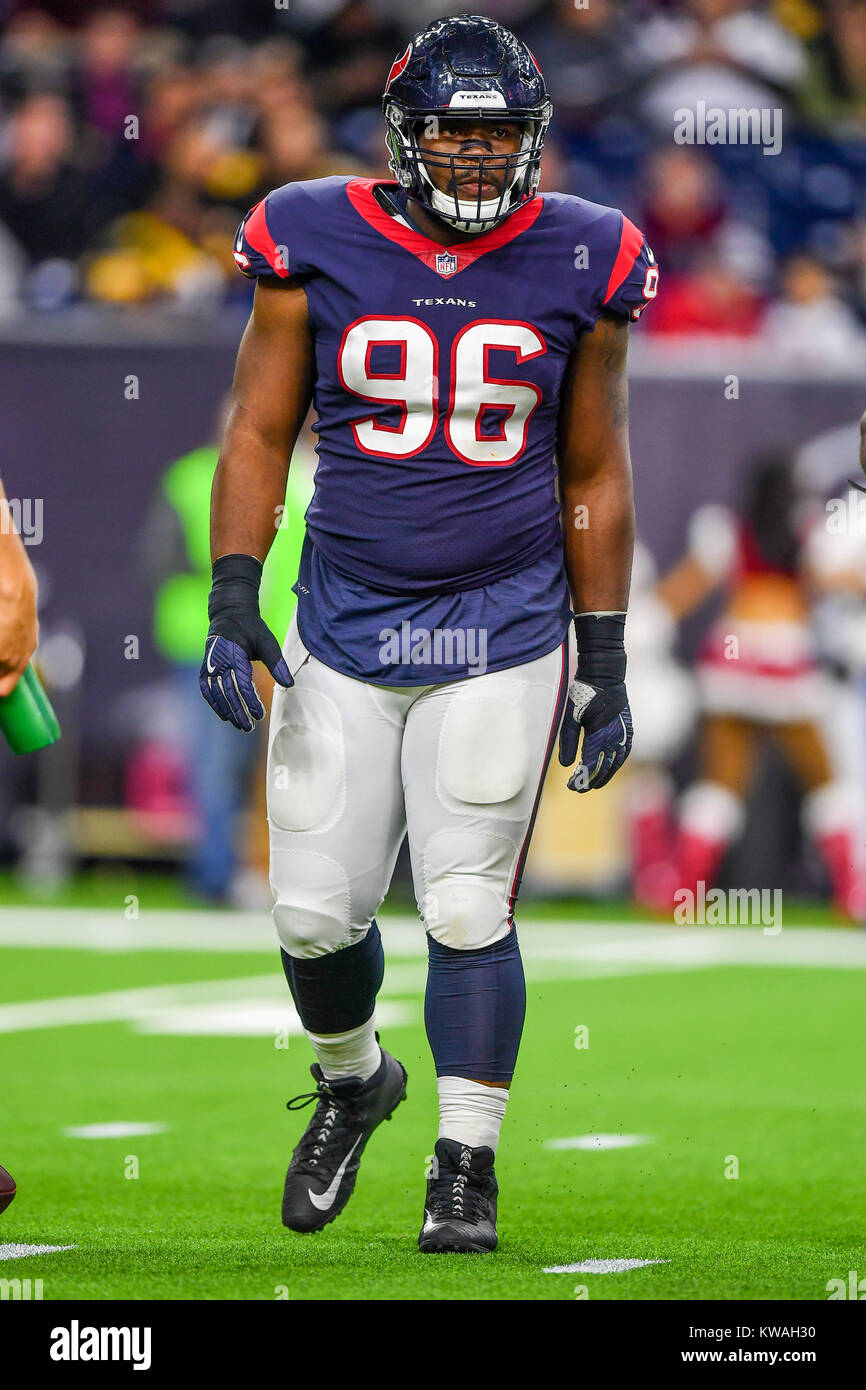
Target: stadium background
[(132, 139)]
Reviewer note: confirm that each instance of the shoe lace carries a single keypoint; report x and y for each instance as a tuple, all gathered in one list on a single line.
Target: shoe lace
[(334, 1116), (457, 1194)]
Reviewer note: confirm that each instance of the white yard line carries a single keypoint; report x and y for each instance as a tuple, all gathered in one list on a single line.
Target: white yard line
[(591, 948), (599, 1141), (104, 929), (121, 1004), (116, 1129), (253, 1018), (257, 1005), (252, 1006), (20, 1252), (601, 1266)]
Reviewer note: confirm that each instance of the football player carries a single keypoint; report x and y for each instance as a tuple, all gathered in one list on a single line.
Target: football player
[(463, 339)]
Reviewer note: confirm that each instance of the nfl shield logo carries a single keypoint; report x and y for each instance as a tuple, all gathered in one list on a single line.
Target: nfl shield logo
[(446, 264)]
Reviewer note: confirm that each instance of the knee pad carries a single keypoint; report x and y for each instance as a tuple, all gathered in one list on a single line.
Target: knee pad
[(307, 766), (466, 876), (484, 748), (311, 907)]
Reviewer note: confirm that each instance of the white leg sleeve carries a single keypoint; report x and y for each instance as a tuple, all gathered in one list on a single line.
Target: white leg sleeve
[(470, 1113)]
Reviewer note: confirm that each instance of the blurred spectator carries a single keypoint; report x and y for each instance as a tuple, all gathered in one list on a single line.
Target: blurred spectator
[(34, 55), (43, 193), (350, 54), (296, 147), (810, 322), (713, 265), (664, 704), (587, 57), (103, 77), (684, 207), (175, 93), (726, 53), (853, 261), (759, 681), (157, 251), (836, 36), (714, 299)]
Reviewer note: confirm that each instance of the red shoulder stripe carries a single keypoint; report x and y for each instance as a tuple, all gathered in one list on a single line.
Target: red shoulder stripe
[(260, 239), (630, 243)]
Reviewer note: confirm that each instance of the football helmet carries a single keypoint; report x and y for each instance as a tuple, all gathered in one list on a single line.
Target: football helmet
[(469, 67)]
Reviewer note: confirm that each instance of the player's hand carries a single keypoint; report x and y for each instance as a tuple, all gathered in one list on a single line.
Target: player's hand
[(605, 718), (597, 704), (237, 636), (18, 620)]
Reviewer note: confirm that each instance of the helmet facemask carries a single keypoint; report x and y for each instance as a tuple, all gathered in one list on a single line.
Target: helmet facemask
[(519, 172)]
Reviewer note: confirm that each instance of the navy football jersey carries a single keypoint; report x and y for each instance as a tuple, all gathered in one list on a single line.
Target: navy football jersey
[(438, 373)]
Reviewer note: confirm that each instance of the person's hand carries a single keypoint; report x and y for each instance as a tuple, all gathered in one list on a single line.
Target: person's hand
[(597, 703), (605, 718), (19, 628), (237, 636)]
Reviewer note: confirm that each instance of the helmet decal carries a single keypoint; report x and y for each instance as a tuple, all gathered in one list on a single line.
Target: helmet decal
[(491, 99), (398, 65)]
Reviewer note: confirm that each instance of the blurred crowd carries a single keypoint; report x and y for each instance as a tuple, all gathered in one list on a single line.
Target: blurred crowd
[(779, 674), (133, 138)]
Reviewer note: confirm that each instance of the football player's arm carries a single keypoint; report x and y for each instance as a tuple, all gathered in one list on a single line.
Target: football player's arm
[(270, 397), (595, 470), (598, 514), (18, 621)]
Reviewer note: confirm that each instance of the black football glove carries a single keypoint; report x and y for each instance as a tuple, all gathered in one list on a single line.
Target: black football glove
[(237, 636), (597, 703)]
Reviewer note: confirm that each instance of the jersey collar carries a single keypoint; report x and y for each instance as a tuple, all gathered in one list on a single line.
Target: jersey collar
[(444, 260)]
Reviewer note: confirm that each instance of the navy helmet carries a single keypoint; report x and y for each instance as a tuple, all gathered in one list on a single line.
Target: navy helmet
[(469, 67)]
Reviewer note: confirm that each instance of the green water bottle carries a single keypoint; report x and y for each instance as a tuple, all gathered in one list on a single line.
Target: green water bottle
[(26, 716)]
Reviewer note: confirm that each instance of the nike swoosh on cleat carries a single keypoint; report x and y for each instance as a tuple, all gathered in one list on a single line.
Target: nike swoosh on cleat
[(323, 1201)]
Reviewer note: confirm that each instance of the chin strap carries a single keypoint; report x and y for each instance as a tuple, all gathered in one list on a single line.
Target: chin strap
[(390, 205), (442, 202)]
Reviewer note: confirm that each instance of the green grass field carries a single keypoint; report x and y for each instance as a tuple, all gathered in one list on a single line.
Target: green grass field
[(713, 1047)]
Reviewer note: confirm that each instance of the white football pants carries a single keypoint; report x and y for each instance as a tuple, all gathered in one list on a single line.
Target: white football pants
[(352, 766)]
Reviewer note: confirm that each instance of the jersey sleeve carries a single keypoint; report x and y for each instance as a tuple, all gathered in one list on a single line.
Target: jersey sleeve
[(634, 275), (271, 241)]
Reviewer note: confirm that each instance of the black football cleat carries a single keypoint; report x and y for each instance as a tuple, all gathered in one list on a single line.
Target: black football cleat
[(460, 1211), (322, 1172)]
